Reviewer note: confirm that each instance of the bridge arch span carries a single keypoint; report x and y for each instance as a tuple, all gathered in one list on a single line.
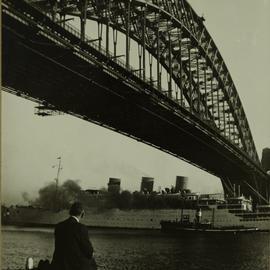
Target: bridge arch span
[(176, 36), (208, 117)]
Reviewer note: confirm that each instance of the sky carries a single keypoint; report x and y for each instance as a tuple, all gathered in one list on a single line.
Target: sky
[(92, 154)]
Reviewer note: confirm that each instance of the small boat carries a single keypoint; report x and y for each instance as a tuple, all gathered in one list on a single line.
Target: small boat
[(176, 226)]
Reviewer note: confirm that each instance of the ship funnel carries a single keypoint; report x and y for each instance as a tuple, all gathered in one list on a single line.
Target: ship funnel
[(147, 184), (181, 184), (114, 185)]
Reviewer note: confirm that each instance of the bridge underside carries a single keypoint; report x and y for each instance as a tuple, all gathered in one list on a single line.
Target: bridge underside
[(38, 68)]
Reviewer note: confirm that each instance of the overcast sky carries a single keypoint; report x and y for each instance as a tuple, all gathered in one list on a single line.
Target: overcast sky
[(92, 154)]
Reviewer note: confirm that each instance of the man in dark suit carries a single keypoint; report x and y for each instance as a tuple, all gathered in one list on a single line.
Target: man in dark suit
[(73, 250)]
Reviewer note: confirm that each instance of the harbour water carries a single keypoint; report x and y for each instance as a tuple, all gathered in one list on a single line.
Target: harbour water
[(146, 250)]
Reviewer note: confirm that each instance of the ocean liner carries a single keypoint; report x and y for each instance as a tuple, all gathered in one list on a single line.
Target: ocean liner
[(234, 211)]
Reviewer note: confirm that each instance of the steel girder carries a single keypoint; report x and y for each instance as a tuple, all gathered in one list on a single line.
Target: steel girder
[(176, 37), (71, 38)]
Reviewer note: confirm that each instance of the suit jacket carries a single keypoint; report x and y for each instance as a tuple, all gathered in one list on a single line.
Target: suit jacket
[(73, 250)]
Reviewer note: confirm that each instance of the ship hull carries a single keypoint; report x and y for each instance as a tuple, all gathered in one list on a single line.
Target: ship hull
[(134, 219), (179, 227)]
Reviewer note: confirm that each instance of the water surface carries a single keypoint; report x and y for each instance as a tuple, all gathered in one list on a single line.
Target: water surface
[(146, 250)]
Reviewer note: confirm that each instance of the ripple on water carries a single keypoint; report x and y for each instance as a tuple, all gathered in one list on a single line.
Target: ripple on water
[(147, 250)]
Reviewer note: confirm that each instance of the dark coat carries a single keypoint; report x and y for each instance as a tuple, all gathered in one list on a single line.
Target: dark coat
[(73, 250)]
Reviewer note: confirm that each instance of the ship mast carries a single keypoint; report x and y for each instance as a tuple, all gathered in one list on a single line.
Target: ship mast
[(57, 181), (58, 172)]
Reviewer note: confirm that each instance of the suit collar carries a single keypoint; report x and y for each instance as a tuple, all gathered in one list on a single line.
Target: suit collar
[(75, 218)]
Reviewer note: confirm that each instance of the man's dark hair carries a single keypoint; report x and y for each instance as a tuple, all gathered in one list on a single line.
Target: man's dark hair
[(76, 209)]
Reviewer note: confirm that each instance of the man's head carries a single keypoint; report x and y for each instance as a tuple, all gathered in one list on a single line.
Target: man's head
[(76, 210)]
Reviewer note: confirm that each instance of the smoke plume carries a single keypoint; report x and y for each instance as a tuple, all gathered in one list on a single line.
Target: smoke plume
[(26, 197), (58, 197)]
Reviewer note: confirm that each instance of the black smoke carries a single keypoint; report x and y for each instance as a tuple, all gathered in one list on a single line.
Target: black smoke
[(58, 197), (26, 197)]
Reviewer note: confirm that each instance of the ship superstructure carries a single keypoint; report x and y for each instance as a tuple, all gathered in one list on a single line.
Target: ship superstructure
[(172, 204)]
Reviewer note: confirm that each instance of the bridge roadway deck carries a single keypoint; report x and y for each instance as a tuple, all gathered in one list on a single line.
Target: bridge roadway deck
[(79, 83)]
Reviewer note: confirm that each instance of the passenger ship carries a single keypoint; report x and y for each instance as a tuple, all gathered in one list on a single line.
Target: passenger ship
[(231, 212)]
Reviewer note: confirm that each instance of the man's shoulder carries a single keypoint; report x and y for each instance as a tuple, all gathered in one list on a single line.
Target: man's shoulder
[(70, 221), (62, 223), (82, 226)]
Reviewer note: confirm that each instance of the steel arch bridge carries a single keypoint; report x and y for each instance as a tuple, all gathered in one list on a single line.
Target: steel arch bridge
[(170, 38)]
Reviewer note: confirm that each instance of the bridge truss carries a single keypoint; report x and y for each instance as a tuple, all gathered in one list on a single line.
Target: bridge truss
[(176, 37), (176, 57)]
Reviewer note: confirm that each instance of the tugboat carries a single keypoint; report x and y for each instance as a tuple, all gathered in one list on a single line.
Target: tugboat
[(184, 225)]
